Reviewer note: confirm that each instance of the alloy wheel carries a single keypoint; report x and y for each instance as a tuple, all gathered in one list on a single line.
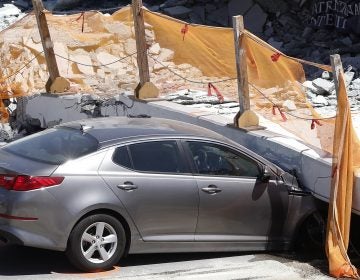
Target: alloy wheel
[(99, 242)]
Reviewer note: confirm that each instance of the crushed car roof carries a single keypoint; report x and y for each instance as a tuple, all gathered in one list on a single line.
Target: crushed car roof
[(117, 128)]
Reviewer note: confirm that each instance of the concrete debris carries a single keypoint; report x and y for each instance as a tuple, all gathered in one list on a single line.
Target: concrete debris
[(190, 97), (318, 92), (319, 100), (291, 24), (289, 105), (178, 11), (219, 16), (324, 87), (255, 19), (236, 7), (325, 75), (173, 3), (276, 44)]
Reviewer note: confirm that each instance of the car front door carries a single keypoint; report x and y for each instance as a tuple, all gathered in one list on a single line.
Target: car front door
[(234, 204), (152, 181)]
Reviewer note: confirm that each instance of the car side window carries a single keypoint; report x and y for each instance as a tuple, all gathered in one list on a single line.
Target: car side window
[(156, 156), (213, 159), (121, 157)]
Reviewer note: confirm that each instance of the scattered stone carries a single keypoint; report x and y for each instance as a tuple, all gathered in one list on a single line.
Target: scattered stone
[(173, 3), (165, 55), (289, 105), (178, 11), (155, 8), (236, 7), (130, 46), (324, 87), (348, 77), (309, 85), (22, 4), (325, 75), (200, 11), (255, 19), (219, 16), (84, 60), (155, 49), (276, 44), (355, 84), (346, 41), (320, 100)]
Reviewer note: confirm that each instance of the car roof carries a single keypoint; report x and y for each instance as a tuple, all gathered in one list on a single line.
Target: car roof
[(110, 130)]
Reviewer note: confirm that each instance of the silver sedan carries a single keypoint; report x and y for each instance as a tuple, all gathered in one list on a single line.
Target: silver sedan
[(102, 188)]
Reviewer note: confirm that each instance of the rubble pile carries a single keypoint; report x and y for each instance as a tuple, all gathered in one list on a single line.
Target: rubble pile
[(103, 64), (9, 14), (301, 28), (321, 92), (308, 29)]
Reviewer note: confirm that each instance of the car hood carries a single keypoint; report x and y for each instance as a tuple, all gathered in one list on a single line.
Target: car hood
[(10, 164)]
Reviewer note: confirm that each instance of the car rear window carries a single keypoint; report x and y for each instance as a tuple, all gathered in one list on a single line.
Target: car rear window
[(54, 146)]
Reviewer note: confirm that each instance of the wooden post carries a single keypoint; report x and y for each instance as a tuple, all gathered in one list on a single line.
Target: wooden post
[(241, 68), (46, 42), (245, 118), (337, 68), (141, 48)]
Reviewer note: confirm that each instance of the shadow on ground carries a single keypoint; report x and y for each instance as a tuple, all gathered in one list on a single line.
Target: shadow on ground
[(17, 260)]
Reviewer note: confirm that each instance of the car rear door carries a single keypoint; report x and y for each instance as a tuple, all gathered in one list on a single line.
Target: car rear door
[(153, 182), (234, 204)]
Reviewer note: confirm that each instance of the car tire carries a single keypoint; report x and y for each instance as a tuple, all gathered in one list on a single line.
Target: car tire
[(96, 243), (310, 242)]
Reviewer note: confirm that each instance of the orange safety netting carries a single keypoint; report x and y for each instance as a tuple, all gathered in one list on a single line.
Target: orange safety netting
[(345, 161), (97, 53)]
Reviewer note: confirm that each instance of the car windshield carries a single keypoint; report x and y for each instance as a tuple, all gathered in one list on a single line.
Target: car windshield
[(54, 146)]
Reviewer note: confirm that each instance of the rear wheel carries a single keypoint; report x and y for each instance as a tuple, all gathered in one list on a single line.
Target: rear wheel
[(96, 243)]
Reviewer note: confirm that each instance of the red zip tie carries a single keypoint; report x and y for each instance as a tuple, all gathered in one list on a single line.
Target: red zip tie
[(313, 122), (184, 30), (282, 114), (218, 94), (273, 110), (82, 15), (275, 57)]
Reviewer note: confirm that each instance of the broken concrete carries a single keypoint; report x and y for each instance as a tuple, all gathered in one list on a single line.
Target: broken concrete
[(325, 87), (178, 11), (255, 19)]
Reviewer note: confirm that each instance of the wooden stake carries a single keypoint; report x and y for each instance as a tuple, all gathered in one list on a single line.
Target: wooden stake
[(241, 68), (46, 42), (337, 68), (141, 48)]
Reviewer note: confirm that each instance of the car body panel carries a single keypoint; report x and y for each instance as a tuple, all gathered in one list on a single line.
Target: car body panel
[(244, 210), (10, 163), (164, 206)]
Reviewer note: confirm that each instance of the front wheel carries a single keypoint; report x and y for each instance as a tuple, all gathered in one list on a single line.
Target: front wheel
[(311, 238), (96, 243)]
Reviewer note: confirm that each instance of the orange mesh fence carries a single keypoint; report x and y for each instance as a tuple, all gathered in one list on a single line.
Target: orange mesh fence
[(97, 53), (345, 162)]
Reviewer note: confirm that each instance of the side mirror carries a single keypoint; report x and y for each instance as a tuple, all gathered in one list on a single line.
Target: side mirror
[(266, 175)]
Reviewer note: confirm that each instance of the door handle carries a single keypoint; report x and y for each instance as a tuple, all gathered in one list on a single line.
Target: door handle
[(127, 186), (211, 189)]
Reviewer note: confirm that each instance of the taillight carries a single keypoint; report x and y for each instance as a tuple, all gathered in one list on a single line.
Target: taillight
[(28, 183), (7, 181)]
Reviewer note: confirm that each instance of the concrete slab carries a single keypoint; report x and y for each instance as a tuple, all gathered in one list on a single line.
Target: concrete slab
[(274, 143)]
